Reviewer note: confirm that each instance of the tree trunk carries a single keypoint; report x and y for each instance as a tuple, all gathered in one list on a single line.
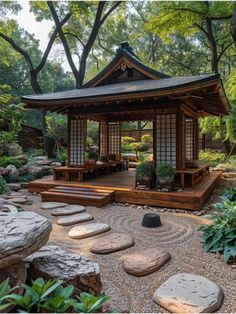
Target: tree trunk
[(37, 89)]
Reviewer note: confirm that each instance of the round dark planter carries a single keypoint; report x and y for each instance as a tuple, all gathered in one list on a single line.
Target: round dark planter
[(151, 220)]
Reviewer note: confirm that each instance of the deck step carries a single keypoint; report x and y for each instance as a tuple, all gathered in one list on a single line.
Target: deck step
[(82, 196)]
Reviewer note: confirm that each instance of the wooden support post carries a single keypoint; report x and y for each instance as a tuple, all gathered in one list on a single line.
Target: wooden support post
[(154, 130), (179, 139)]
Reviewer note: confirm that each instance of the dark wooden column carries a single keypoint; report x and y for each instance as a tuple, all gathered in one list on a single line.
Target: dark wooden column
[(196, 140), (154, 135), (180, 135)]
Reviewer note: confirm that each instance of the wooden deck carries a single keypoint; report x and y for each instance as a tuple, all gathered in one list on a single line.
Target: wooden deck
[(122, 183)]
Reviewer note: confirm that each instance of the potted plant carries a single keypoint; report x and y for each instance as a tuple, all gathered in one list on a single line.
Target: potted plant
[(145, 175), (165, 173), (92, 155)]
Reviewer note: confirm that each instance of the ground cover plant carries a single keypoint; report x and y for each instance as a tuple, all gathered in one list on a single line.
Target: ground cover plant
[(211, 157), (4, 188), (50, 297), (220, 235)]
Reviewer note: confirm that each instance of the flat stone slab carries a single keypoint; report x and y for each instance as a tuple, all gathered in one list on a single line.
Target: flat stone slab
[(52, 205), (21, 234), (145, 262), (19, 200), (74, 219), (68, 210), (189, 293), (112, 243), (54, 262), (88, 230)]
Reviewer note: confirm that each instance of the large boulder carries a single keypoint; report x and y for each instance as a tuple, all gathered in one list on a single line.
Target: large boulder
[(12, 149), (54, 262), (21, 234), (34, 169), (4, 171), (23, 170), (14, 186), (13, 172), (189, 293)]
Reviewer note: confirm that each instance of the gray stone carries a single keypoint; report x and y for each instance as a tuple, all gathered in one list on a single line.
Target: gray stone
[(74, 219), (19, 200), (24, 185), (88, 230), (112, 243), (4, 171), (12, 149), (41, 157), (14, 186), (56, 164), (23, 170), (22, 158), (189, 293), (21, 234), (13, 172), (43, 162), (52, 205), (5, 202), (10, 208), (34, 169), (68, 210), (145, 262), (73, 269)]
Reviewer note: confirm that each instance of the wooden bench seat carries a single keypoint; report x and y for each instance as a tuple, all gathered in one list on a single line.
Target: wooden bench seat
[(77, 173), (191, 176)]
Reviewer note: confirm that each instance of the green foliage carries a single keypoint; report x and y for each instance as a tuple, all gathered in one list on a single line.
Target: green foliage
[(147, 138), (127, 139), (50, 297), (145, 170), (5, 290), (89, 303), (139, 146), (57, 129), (165, 170), (6, 161), (220, 236), (11, 116), (43, 296), (93, 131), (230, 194), (4, 188), (92, 155), (211, 157)]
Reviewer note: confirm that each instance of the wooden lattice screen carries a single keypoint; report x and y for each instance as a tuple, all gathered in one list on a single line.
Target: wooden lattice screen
[(166, 138), (77, 135), (103, 140), (114, 138), (189, 138)]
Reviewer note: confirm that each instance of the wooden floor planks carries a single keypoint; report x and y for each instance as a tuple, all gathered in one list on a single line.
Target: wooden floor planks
[(122, 183)]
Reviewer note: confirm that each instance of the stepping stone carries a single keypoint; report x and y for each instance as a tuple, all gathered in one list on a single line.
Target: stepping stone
[(189, 293), (73, 219), (145, 262), (112, 243), (52, 205), (19, 200), (69, 210), (88, 230)]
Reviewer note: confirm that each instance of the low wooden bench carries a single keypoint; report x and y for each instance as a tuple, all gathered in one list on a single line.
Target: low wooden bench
[(77, 173), (191, 176)]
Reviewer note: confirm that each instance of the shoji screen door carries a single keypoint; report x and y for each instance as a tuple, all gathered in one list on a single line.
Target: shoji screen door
[(77, 145), (103, 140), (166, 138), (114, 138)]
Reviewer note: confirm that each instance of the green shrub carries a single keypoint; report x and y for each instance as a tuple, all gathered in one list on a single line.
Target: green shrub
[(92, 155), (6, 161), (125, 148), (147, 138), (127, 139), (4, 188), (220, 236), (145, 170), (49, 297), (165, 170), (211, 157)]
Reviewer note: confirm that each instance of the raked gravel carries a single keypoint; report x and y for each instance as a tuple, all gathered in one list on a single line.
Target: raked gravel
[(178, 235)]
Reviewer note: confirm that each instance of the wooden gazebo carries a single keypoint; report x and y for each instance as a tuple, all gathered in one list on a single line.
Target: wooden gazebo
[(127, 90)]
